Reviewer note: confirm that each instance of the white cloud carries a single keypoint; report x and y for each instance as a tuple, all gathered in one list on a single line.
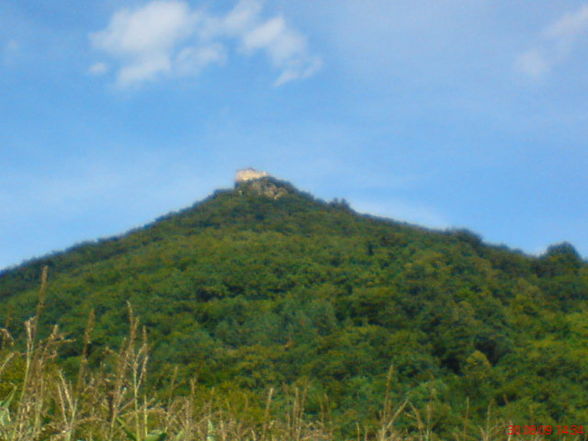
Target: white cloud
[(533, 63), (265, 34), (242, 17), (570, 25), (286, 48), (557, 43), (144, 38), (170, 38), (191, 60), (98, 69)]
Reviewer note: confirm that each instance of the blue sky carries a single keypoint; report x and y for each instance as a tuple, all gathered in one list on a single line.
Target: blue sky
[(445, 113)]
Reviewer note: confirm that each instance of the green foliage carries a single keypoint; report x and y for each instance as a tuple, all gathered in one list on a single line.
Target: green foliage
[(248, 292)]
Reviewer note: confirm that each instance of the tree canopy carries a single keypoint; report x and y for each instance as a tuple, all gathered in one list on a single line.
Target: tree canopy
[(247, 291)]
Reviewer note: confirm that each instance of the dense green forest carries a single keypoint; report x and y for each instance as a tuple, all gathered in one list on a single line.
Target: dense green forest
[(264, 286)]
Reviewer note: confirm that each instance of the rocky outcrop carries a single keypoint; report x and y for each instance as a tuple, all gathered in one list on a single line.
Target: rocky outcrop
[(264, 186)]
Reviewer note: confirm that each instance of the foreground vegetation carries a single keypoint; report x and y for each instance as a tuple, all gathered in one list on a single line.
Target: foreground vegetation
[(113, 403), (244, 294)]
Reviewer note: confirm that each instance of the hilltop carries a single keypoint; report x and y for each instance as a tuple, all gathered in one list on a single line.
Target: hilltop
[(264, 285)]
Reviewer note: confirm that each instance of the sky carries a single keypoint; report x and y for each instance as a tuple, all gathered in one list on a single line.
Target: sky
[(442, 113)]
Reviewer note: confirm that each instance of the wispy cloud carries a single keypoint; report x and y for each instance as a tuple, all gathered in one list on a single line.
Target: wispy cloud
[(9, 51), (98, 68), (170, 38), (556, 45), (402, 210), (285, 47)]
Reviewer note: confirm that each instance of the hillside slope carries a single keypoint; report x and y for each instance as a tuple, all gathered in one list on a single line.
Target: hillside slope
[(264, 285)]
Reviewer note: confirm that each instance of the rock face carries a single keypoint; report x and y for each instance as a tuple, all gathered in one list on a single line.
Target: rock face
[(257, 182), (265, 187)]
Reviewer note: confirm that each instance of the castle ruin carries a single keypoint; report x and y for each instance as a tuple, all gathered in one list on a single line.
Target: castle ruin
[(249, 174)]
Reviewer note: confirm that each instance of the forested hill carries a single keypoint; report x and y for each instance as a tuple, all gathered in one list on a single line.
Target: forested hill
[(263, 285)]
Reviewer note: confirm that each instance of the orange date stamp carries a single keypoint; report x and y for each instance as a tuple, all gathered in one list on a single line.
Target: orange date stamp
[(545, 430)]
